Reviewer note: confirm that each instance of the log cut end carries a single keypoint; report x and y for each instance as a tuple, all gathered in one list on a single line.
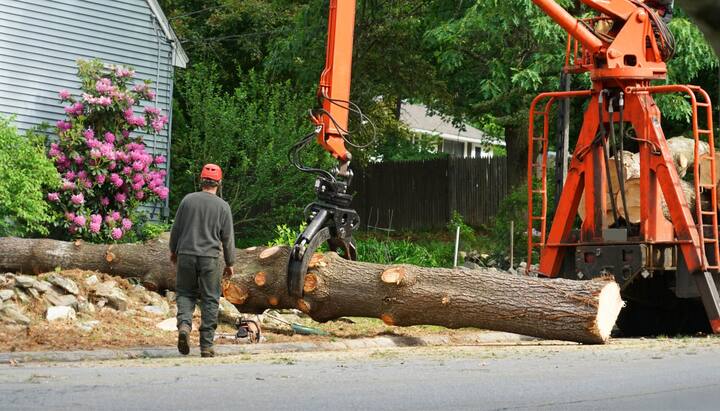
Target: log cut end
[(394, 275), (609, 305)]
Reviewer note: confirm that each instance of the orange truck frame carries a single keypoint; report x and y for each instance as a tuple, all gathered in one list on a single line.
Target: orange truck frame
[(622, 64)]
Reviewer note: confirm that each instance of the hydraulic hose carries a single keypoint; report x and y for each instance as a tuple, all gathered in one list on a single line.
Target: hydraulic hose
[(620, 162), (606, 150)]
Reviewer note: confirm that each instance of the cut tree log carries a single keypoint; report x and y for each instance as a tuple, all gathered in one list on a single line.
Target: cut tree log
[(632, 195), (402, 295), (682, 149), (683, 152), (631, 169)]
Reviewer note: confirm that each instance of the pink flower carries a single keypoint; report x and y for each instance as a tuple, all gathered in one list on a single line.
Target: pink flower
[(96, 218), (108, 150), (139, 87), (109, 220), (104, 85), (62, 126), (69, 216), (89, 98), (95, 227), (125, 133), (88, 134), (78, 199), (139, 195), (109, 137), (116, 234), (153, 111), (138, 165), (162, 192), (115, 215), (67, 185), (79, 220), (105, 201), (72, 229), (120, 197), (136, 121), (54, 150), (126, 224), (104, 101), (127, 171), (82, 174), (70, 175), (95, 153), (92, 143), (79, 160), (116, 180), (160, 159), (138, 186), (75, 109), (124, 72), (54, 197), (150, 95), (100, 179), (64, 94)]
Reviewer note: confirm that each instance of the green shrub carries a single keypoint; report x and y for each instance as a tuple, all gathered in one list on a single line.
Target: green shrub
[(513, 209), (436, 254), (468, 239), (285, 235), (25, 174), (248, 132)]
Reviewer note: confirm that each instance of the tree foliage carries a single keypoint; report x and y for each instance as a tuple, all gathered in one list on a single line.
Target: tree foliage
[(479, 62), (247, 132), (25, 173)]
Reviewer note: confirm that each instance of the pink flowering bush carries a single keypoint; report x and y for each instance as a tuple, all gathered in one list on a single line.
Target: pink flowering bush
[(105, 168)]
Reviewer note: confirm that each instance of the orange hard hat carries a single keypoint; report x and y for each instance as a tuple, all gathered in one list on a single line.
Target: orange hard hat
[(211, 172)]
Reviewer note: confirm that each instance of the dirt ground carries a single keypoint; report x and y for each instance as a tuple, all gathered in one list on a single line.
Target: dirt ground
[(137, 328)]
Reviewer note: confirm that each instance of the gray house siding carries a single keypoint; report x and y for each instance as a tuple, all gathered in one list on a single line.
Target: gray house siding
[(41, 40)]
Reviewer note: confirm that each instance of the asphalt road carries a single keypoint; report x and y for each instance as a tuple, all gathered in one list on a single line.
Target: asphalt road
[(652, 375)]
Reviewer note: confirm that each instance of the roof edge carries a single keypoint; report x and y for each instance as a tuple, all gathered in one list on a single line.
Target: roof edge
[(180, 58)]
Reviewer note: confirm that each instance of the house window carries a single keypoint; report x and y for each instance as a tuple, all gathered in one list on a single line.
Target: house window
[(454, 148)]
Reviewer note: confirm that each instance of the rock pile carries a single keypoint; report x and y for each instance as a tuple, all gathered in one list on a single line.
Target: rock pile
[(78, 297)]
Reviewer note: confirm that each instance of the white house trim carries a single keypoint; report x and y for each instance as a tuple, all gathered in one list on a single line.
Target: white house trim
[(180, 59)]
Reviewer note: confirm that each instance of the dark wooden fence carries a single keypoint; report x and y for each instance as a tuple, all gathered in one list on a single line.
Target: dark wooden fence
[(423, 194)]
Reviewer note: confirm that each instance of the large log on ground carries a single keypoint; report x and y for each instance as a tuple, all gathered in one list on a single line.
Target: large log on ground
[(582, 311)]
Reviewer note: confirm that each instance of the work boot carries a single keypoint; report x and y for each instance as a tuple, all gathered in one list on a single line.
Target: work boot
[(184, 339), (207, 352)]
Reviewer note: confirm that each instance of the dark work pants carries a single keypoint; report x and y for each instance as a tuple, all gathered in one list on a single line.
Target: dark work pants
[(198, 278)]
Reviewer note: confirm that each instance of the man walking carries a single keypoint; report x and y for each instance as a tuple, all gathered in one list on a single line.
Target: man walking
[(203, 229)]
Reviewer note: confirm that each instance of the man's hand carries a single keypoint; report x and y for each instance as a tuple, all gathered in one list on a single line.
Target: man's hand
[(228, 272), (173, 258)]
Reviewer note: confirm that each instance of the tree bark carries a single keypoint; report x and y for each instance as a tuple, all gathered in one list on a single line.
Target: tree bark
[(632, 195), (402, 295)]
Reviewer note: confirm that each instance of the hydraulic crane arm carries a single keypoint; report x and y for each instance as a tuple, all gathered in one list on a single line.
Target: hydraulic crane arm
[(638, 42), (330, 217), (334, 90)]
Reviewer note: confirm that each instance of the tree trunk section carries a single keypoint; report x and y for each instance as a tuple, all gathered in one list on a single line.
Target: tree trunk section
[(632, 195), (402, 295)]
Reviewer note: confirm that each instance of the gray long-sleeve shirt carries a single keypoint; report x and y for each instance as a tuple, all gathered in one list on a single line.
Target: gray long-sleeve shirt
[(203, 224)]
